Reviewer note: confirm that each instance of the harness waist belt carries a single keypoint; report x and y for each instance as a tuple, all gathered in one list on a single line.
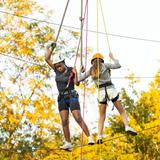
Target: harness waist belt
[(67, 92), (105, 84)]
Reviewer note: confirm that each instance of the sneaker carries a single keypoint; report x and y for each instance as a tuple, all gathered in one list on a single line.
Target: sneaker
[(66, 146), (130, 130), (99, 141), (90, 141)]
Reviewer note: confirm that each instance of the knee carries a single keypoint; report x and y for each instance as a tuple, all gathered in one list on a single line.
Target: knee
[(79, 119), (65, 122)]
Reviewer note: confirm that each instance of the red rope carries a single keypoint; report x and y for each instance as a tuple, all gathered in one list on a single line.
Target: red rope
[(84, 91), (72, 74)]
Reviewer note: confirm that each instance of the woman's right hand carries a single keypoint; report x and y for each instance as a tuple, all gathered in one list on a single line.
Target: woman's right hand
[(111, 56), (83, 69)]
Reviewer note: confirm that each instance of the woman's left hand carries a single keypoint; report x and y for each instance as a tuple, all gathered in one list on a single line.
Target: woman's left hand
[(74, 70)]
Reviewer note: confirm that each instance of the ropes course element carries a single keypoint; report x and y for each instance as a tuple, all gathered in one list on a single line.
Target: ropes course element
[(86, 45), (36, 64), (54, 43), (105, 28), (107, 140), (125, 135), (81, 36), (84, 89), (22, 60), (81, 61), (106, 33), (79, 41), (62, 21), (76, 28), (97, 35), (114, 138)]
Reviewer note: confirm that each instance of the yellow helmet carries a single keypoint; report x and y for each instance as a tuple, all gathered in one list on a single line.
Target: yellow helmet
[(97, 56)]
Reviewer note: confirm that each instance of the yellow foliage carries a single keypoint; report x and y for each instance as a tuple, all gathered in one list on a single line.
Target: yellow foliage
[(12, 119), (90, 89), (33, 69), (48, 36), (25, 102), (25, 51)]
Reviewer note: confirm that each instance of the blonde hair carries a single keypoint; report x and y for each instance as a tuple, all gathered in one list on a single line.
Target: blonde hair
[(96, 70)]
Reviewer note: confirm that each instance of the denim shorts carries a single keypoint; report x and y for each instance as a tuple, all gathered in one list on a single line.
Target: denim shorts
[(69, 101)]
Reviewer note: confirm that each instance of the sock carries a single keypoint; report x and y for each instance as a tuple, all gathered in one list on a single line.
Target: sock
[(66, 142), (100, 136), (126, 125), (89, 138)]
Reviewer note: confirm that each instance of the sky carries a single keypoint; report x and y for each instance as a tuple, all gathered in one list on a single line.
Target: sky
[(127, 18), (138, 18)]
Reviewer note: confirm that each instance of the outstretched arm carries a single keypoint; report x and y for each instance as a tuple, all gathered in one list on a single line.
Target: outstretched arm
[(83, 76), (116, 63), (48, 57)]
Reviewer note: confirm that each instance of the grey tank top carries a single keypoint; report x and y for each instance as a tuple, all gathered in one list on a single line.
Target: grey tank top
[(62, 80)]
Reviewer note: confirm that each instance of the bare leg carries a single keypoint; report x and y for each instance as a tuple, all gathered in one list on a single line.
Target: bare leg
[(77, 116), (122, 112), (102, 117), (65, 124)]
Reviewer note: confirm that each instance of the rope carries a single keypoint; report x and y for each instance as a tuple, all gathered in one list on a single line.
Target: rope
[(97, 26), (71, 75), (84, 91), (97, 35), (118, 137), (81, 37), (53, 47), (36, 64), (106, 33), (114, 138), (105, 28), (20, 59), (76, 28), (62, 20)]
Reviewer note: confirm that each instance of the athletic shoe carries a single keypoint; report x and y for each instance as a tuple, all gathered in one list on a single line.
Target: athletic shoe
[(90, 141), (130, 130), (99, 141), (66, 146)]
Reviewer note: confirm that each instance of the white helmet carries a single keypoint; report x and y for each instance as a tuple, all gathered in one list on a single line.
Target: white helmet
[(56, 58)]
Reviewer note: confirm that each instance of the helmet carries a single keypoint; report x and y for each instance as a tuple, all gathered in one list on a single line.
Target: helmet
[(57, 58), (97, 56)]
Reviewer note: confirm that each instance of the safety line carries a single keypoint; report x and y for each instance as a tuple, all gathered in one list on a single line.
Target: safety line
[(81, 62), (111, 139), (20, 59), (92, 31), (125, 77)]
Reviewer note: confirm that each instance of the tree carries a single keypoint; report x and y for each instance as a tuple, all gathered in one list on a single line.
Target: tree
[(27, 114)]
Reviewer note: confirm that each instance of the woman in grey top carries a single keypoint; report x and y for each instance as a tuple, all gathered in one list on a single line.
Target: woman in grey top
[(100, 74)]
